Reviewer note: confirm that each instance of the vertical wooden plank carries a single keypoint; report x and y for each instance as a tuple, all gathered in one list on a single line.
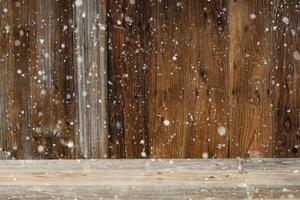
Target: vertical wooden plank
[(68, 86), (213, 70), (2, 75), (167, 82), (250, 94), (134, 78), (15, 84), (116, 40), (4, 35), (91, 78), (286, 28), (32, 60), (22, 86), (64, 87), (49, 88), (188, 70), (33, 87), (128, 44)]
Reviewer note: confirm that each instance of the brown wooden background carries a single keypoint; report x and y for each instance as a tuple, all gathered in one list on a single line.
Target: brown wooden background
[(127, 67)]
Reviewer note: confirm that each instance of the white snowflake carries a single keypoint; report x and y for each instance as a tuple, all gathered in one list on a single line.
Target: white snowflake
[(41, 148), (296, 55), (78, 3), (285, 20), (252, 16), (205, 155), (166, 122), (221, 130)]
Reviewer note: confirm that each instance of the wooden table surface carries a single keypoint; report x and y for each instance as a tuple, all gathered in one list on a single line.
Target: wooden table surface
[(150, 179)]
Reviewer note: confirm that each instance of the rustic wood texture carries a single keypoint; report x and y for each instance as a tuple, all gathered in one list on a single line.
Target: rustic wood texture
[(250, 90), (208, 68), (49, 106), (286, 78), (127, 86), (182, 78), (91, 81), (43, 112), (150, 179), (186, 87)]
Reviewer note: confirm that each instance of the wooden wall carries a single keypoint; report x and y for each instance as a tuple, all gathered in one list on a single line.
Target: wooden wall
[(53, 79), (183, 69), (35, 114), (149, 78)]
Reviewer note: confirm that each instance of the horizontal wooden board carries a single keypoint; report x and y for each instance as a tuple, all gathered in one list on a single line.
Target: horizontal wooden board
[(150, 179)]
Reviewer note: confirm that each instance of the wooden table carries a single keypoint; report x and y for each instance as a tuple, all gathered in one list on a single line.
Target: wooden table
[(150, 179)]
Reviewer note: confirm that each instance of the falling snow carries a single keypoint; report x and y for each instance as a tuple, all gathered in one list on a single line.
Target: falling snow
[(132, 2), (41, 149), (296, 55), (252, 16), (78, 3), (166, 122), (221, 130), (285, 20), (143, 154), (17, 43), (205, 155)]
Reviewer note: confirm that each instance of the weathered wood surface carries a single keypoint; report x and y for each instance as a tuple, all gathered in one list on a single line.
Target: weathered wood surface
[(178, 71), (36, 56), (150, 179), (128, 90), (182, 69), (53, 79), (91, 73)]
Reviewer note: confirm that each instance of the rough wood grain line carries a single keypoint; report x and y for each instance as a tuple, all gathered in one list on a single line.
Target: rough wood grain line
[(128, 41), (286, 78), (91, 72), (31, 31), (150, 179), (250, 61), (186, 84)]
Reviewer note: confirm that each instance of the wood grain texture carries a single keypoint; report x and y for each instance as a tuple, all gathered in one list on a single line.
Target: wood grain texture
[(209, 65), (127, 86), (186, 87), (149, 79), (250, 90), (150, 179), (15, 81), (42, 116), (48, 76), (286, 78), (91, 79)]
